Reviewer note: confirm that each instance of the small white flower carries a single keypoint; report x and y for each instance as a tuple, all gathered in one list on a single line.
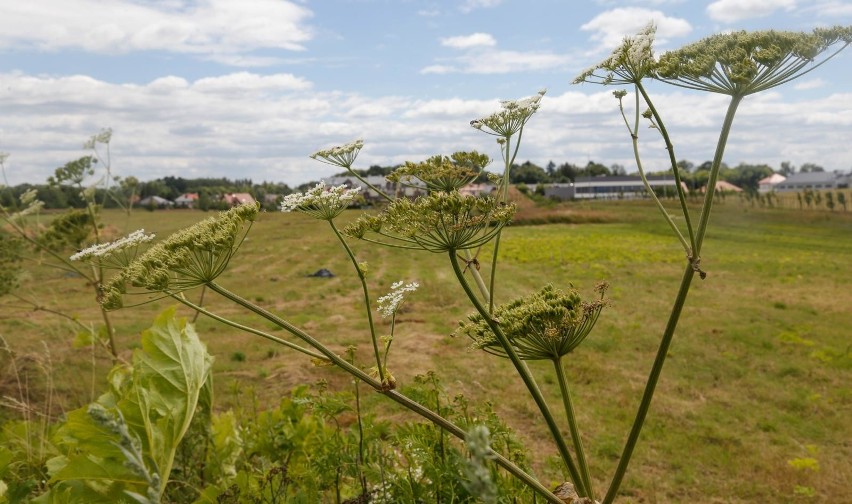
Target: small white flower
[(390, 302), (103, 250), (321, 202), (103, 137), (342, 155), (512, 117)]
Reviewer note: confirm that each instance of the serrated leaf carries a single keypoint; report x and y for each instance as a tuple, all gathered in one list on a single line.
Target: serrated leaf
[(127, 442)]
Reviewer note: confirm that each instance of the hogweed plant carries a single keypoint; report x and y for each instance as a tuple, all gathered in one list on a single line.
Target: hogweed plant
[(550, 324), (736, 64), (74, 229)]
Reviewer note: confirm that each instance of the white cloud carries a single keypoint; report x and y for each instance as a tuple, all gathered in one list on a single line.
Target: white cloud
[(809, 84), (471, 5), (480, 56), (610, 27), (264, 127), (217, 28), (731, 11), (467, 41)]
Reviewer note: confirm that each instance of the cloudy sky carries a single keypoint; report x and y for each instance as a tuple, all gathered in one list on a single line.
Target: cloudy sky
[(249, 89)]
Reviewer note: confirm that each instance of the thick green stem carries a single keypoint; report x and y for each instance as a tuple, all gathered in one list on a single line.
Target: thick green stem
[(714, 174), (363, 278), (680, 300), (377, 385), (572, 424), (236, 325), (527, 378)]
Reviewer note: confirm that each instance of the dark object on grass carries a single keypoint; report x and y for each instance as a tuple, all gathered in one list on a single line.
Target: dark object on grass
[(322, 273)]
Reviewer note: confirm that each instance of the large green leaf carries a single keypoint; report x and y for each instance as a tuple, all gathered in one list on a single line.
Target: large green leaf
[(123, 447)]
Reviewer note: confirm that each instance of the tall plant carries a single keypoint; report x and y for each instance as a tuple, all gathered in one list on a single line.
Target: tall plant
[(548, 324)]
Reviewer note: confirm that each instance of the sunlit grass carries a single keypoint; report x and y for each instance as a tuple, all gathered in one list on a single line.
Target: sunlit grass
[(759, 370)]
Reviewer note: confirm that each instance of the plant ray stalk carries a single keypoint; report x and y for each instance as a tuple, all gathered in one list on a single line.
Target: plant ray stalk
[(635, 141), (367, 304), (680, 300), (572, 424), (670, 148), (395, 396), (527, 378)]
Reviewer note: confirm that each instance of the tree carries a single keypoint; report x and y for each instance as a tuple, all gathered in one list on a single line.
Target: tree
[(787, 168), (528, 173), (617, 169), (811, 167), (566, 172)]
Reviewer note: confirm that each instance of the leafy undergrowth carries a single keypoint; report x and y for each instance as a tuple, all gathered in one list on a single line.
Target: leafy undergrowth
[(753, 404)]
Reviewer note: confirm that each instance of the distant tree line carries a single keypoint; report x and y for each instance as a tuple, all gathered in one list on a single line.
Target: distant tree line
[(745, 176), (208, 189)]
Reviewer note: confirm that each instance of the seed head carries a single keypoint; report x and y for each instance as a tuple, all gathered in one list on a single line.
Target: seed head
[(547, 324), (743, 63), (442, 173)]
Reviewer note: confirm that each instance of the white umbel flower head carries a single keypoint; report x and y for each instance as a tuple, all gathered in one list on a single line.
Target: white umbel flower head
[(117, 252), (321, 202), (341, 155), (628, 63), (103, 137), (511, 118), (390, 303)]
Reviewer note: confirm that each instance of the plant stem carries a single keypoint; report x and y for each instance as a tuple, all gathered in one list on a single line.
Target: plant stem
[(363, 279), (572, 424), (634, 131), (670, 148), (395, 396), (680, 300), (527, 378)]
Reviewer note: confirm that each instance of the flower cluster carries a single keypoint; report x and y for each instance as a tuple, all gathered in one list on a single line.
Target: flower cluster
[(743, 63), (117, 249), (439, 222), (188, 258), (628, 63), (547, 324), (442, 173), (513, 115), (342, 155), (390, 303), (103, 137), (321, 202)]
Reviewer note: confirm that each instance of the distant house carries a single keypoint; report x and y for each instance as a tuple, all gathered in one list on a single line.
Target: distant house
[(613, 187), (478, 189), (814, 180), (722, 186), (187, 200), (768, 184), (236, 199), (156, 202)]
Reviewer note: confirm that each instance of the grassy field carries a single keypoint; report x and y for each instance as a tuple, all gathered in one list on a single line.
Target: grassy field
[(754, 403)]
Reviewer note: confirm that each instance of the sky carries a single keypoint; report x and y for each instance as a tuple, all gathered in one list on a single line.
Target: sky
[(249, 89)]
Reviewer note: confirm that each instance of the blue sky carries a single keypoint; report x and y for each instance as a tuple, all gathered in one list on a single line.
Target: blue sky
[(249, 89)]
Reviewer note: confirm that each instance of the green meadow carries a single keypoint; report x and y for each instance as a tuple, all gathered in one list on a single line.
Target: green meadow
[(755, 400)]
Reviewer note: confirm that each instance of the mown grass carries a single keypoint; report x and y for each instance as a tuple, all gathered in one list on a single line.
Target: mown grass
[(758, 378)]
